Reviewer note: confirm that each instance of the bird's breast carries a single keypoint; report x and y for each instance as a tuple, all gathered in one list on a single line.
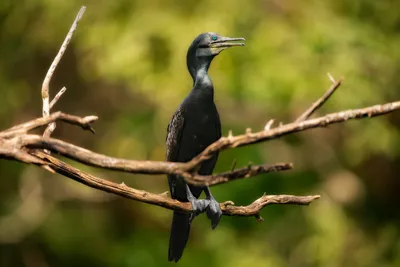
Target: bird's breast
[(202, 128)]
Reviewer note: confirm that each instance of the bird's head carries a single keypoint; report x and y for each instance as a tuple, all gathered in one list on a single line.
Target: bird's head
[(211, 44), (206, 46)]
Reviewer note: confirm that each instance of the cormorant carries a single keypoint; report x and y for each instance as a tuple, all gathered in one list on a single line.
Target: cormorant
[(193, 127)]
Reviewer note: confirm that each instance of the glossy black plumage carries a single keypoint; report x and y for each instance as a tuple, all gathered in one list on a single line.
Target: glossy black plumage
[(194, 126)]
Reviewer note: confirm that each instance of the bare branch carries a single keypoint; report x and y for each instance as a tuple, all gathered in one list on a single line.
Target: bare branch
[(232, 175), (15, 141), (162, 200), (16, 154), (317, 104), (98, 160), (23, 128), (50, 72), (57, 97), (290, 128), (331, 77), (153, 167), (254, 208), (145, 167), (269, 125)]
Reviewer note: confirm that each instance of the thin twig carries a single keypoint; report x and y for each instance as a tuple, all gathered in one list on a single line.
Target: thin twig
[(233, 166), (247, 172), (50, 72), (57, 97), (85, 123), (269, 125), (331, 77), (317, 104)]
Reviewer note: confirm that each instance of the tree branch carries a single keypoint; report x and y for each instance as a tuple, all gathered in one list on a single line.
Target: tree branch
[(153, 167), (160, 199), (33, 142), (57, 97), (290, 128), (85, 123), (50, 72), (246, 172), (184, 169), (317, 104)]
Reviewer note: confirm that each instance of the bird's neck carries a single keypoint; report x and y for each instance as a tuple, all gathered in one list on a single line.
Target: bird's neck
[(201, 80)]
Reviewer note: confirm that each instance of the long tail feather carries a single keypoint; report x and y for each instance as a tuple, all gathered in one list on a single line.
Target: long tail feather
[(179, 235)]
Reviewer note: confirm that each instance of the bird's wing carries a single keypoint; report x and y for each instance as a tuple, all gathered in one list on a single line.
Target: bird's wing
[(174, 135)]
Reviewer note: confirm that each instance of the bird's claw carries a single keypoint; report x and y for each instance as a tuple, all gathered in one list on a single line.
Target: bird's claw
[(214, 212)]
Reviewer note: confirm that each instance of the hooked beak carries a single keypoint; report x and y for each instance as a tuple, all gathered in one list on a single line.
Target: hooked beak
[(226, 42), (215, 47)]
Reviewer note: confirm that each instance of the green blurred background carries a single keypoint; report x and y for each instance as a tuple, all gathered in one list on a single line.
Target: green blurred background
[(126, 64)]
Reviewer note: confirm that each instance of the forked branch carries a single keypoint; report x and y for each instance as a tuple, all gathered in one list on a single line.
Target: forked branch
[(46, 83), (317, 104), (161, 200)]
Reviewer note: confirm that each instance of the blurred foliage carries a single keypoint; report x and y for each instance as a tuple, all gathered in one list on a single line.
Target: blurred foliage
[(126, 64)]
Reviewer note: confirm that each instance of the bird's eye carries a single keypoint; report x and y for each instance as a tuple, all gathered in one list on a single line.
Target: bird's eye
[(214, 37)]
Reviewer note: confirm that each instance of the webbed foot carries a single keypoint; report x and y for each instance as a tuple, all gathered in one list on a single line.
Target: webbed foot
[(198, 205), (213, 210)]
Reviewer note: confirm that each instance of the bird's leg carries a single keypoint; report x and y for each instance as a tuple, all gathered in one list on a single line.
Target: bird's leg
[(198, 205), (213, 210)]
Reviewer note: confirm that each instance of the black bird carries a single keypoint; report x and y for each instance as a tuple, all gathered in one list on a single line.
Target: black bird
[(193, 127)]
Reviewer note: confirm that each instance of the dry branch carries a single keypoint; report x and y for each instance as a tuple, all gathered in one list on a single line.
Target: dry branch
[(184, 169), (28, 143), (317, 104), (18, 139), (50, 72), (85, 123), (242, 173), (290, 128), (160, 199), (57, 97), (153, 167)]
